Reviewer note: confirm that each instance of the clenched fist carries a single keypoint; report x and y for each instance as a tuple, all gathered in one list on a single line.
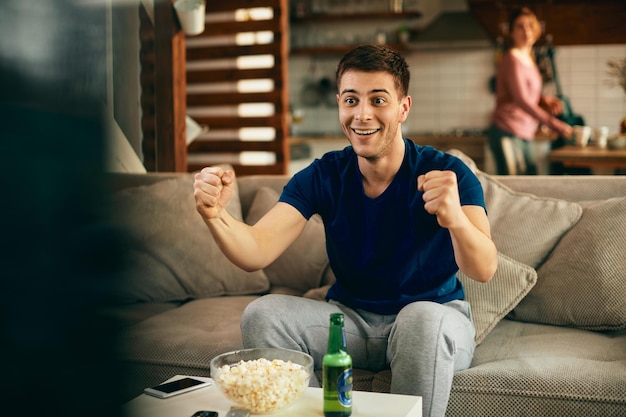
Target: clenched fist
[(441, 196), (213, 188)]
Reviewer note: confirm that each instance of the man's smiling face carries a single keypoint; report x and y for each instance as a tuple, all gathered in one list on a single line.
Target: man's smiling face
[(371, 112)]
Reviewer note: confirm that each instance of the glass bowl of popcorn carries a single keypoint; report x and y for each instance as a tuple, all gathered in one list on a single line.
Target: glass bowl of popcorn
[(262, 380)]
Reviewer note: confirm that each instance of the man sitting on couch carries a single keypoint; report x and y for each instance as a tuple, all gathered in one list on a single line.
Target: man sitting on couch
[(400, 221)]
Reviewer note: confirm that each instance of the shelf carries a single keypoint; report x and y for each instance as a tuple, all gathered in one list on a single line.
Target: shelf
[(336, 49), (321, 18)]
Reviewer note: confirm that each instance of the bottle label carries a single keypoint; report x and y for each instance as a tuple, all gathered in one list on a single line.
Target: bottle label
[(344, 387)]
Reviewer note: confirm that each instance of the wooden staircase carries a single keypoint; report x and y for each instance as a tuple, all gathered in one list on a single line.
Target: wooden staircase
[(236, 74)]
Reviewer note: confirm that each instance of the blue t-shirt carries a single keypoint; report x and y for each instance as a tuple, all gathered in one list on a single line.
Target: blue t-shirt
[(388, 251)]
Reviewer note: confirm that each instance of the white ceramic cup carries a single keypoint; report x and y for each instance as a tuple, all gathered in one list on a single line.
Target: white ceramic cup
[(581, 135), (191, 14), (600, 136)]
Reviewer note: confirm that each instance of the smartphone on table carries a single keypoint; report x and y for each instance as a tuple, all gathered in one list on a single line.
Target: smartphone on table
[(180, 386), (233, 412)]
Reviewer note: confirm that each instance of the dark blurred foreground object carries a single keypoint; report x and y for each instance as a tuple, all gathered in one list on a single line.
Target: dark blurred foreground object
[(58, 261), (58, 256)]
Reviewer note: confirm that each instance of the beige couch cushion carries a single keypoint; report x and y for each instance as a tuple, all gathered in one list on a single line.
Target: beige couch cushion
[(303, 264), (493, 300), (182, 341), (173, 256), (583, 283), (527, 369), (526, 227)]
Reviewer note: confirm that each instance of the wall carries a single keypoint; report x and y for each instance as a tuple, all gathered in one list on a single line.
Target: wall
[(124, 55), (450, 89)]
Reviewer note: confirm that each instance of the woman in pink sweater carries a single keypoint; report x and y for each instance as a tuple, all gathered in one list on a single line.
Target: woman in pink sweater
[(519, 101)]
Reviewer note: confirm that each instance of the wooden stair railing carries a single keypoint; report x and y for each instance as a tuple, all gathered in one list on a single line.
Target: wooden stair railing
[(163, 93), (237, 87)]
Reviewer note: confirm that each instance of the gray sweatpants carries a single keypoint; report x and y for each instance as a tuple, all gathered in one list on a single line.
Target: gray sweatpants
[(424, 344)]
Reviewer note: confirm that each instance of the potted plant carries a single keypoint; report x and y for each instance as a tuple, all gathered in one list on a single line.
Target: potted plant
[(617, 72)]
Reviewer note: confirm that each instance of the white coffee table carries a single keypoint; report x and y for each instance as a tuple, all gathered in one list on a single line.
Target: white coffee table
[(366, 404)]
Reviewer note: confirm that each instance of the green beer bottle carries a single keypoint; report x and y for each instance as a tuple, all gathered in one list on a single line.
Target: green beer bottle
[(337, 371)]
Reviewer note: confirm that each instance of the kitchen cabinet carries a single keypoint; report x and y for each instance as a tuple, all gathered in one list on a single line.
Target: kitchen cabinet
[(340, 46), (570, 22)]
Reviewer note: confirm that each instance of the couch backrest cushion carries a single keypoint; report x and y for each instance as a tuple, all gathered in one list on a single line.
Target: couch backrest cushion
[(174, 256), (568, 187), (302, 266), (493, 300), (526, 227), (583, 282), (250, 184)]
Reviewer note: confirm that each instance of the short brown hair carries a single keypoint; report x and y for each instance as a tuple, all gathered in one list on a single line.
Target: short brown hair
[(376, 58)]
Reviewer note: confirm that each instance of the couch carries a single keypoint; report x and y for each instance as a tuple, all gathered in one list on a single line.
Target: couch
[(551, 324)]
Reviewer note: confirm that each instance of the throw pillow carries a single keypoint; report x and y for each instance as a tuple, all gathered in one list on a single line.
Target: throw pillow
[(303, 264), (493, 300), (526, 227), (172, 254), (583, 283)]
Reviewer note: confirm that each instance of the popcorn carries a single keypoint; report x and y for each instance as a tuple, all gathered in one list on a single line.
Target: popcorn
[(262, 385)]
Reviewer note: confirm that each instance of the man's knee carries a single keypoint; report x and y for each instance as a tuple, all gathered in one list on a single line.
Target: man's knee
[(429, 324), (422, 317), (262, 311)]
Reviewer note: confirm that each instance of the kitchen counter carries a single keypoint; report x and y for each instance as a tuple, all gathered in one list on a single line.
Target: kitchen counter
[(600, 160), (473, 145)]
